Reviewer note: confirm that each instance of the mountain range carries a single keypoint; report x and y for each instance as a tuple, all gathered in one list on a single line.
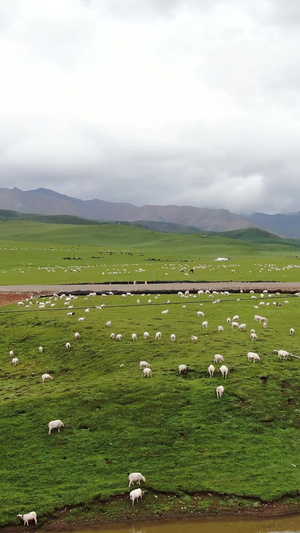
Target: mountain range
[(47, 202)]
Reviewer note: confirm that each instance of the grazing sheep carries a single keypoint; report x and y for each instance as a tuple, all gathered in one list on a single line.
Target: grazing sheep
[(144, 364), (220, 328), (46, 377), (136, 477), (68, 345), (253, 337), (292, 331), (158, 336), (108, 324), (55, 424), (194, 338), (28, 517), (77, 335), (112, 336), (173, 337), (147, 372), (165, 312), (136, 494), (224, 371), (182, 369), (282, 354), (211, 370), (71, 313), (218, 358), (235, 325), (235, 317), (81, 319), (205, 324), (119, 337), (200, 313), (11, 353), (134, 337), (252, 356), (252, 331), (15, 361), (242, 327), (146, 335), (228, 320), (41, 349), (220, 391), (265, 325)]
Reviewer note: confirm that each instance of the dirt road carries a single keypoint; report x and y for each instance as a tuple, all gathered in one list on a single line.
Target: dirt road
[(11, 293)]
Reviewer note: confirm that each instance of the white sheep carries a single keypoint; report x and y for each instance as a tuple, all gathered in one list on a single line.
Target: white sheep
[(282, 354), (41, 349), (173, 337), (28, 517), (220, 391), (11, 353), (182, 369), (81, 319), (165, 312), (200, 313), (15, 361), (252, 356), (292, 331), (235, 317), (71, 313), (136, 477), (119, 337), (224, 371), (144, 364), (147, 372), (46, 377), (205, 324), (134, 337), (146, 335), (194, 338), (253, 337), (108, 324), (220, 328), (55, 424), (112, 336), (242, 327), (228, 320), (218, 358), (235, 325), (158, 336), (211, 370), (68, 345), (136, 494), (77, 335)]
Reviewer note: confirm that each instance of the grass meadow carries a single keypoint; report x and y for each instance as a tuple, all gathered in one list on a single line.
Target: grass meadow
[(171, 427), (37, 253)]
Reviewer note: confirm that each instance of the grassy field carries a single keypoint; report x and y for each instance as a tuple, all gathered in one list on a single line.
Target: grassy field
[(36, 253), (172, 428)]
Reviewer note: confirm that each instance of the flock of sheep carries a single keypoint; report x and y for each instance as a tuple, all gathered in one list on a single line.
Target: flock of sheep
[(232, 323)]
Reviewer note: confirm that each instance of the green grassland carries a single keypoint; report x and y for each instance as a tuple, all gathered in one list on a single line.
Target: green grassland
[(172, 428), (38, 252)]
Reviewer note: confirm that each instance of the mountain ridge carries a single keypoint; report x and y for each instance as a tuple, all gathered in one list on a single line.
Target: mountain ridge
[(45, 201)]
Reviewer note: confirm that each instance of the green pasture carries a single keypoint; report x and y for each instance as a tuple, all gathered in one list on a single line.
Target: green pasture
[(37, 253), (172, 428)]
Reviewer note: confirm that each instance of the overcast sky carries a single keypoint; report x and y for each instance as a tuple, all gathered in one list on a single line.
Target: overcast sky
[(187, 102)]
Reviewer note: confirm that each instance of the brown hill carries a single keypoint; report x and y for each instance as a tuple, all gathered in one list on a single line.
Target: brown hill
[(48, 202)]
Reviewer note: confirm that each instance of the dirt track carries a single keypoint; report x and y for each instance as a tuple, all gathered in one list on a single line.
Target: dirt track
[(12, 293)]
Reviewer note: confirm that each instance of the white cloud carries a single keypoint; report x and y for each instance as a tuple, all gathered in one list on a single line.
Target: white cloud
[(156, 101)]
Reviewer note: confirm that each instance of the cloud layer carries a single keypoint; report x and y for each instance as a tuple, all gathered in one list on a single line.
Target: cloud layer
[(188, 102)]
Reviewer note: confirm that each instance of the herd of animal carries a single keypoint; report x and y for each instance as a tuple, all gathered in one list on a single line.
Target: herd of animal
[(146, 368)]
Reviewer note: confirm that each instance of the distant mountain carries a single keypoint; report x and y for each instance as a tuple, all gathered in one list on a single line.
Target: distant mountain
[(285, 225), (47, 202)]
